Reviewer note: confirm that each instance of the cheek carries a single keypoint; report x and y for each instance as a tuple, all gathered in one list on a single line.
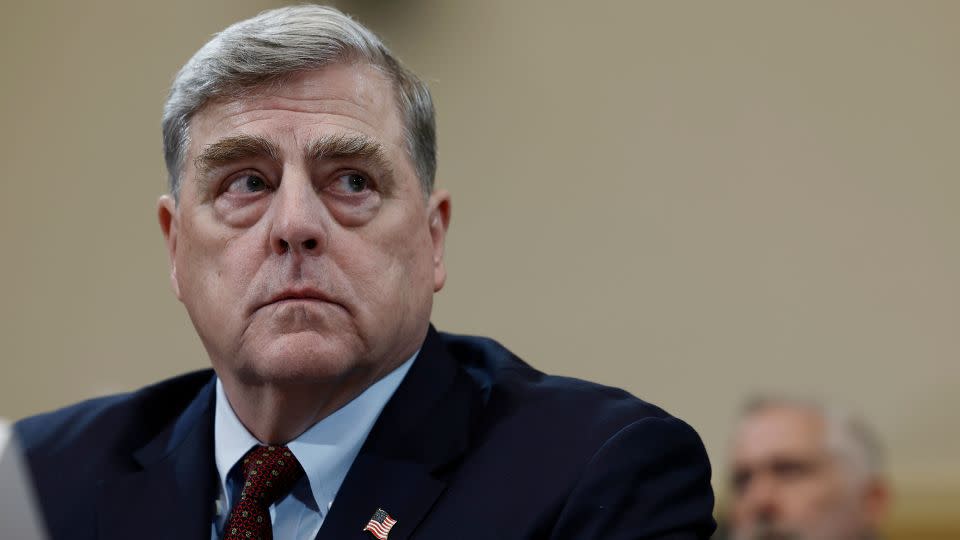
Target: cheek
[(198, 262), (214, 270), (411, 256), (836, 495), (738, 512), (395, 267), (812, 499)]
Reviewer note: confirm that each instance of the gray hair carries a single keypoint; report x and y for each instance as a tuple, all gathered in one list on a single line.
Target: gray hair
[(277, 44), (847, 435)]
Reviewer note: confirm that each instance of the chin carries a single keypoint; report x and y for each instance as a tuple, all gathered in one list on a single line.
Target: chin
[(301, 357)]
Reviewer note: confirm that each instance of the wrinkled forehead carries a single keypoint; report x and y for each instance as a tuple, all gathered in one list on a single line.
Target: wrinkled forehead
[(778, 432), (349, 97)]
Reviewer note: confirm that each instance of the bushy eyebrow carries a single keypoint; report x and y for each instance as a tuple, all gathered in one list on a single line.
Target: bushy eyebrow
[(232, 149), (356, 147)]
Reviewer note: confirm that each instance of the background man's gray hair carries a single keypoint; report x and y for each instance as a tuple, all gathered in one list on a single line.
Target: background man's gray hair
[(847, 435), (277, 44)]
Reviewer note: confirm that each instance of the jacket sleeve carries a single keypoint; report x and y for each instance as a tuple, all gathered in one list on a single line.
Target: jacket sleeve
[(651, 480)]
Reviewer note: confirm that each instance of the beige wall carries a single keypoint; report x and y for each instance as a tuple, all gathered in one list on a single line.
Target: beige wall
[(692, 200)]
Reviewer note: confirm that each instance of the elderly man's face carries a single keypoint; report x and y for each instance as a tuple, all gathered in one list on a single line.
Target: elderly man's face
[(303, 246), (788, 485)]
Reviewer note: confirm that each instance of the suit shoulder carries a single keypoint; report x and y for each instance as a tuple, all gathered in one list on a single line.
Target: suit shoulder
[(509, 383), (120, 417), (599, 461)]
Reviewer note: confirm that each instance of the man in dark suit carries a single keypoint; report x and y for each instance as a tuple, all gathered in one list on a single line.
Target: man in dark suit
[(306, 242)]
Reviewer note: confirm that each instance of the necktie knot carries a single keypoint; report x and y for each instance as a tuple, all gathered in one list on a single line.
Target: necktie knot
[(269, 472)]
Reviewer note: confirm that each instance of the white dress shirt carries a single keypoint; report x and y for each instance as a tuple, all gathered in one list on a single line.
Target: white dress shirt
[(325, 451)]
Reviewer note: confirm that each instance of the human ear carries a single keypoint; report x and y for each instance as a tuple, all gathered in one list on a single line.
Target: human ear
[(438, 216), (167, 215)]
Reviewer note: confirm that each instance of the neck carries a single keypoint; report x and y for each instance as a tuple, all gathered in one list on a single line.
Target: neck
[(276, 413)]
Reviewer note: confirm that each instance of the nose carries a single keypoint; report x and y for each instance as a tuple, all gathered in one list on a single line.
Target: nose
[(299, 217)]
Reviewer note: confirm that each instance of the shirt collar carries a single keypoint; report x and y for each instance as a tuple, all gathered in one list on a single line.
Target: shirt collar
[(325, 451)]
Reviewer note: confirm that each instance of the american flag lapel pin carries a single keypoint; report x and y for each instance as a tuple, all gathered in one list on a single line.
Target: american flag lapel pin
[(380, 524)]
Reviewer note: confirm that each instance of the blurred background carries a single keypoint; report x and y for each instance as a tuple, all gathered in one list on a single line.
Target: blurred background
[(696, 201)]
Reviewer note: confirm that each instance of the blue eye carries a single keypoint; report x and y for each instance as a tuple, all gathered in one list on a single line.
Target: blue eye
[(353, 182), (247, 183)]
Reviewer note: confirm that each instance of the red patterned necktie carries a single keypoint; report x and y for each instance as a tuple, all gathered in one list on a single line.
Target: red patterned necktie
[(268, 472)]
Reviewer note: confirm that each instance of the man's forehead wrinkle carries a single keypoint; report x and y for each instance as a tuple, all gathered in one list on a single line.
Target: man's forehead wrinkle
[(360, 94), (331, 104), (313, 92), (359, 119)]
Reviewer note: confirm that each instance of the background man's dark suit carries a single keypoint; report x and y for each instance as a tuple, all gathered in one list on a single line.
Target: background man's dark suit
[(475, 444)]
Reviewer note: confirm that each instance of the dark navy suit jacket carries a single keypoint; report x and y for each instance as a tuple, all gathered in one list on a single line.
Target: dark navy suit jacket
[(474, 444)]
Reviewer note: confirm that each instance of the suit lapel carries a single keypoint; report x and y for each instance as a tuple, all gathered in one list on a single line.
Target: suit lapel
[(404, 490), (403, 465), (172, 496)]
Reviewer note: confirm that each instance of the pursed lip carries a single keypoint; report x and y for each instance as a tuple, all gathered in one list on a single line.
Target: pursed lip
[(296, 293)]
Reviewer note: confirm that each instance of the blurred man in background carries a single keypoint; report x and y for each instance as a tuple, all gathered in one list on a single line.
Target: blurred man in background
[(804, 471)]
